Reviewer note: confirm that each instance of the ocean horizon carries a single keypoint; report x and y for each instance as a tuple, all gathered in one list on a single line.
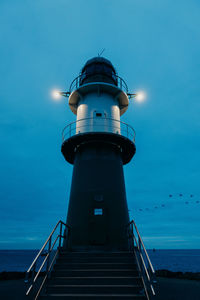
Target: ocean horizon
[(187, 260)]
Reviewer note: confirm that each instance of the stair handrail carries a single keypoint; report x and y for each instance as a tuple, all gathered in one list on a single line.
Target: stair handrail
[(63, 234), (149, 271)]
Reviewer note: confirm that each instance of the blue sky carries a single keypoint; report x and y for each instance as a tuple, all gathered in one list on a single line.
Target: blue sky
[(154, 46)]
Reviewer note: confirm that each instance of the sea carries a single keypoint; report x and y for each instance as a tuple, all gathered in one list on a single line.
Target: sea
[(173, 260)]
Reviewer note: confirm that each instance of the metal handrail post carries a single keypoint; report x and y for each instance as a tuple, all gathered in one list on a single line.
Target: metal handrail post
[(140, 252), (49, 251), (33, 273), (60, 235), (132, 235), (143, 262), (31, 278), (146, 254), (139, 245), (68, 241)]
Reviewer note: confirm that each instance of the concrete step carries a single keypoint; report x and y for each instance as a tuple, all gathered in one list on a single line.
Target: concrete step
[(95, 275), (96, 259), (96, 280), (95, 254), (95, 272), (97, 266), (94, 289), (94, 297)]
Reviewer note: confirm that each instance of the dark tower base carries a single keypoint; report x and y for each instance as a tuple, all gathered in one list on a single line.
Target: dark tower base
[(98, 212)]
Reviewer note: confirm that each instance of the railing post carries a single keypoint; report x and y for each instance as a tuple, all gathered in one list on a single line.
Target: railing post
[(140, 252), (140, 246), (33, 273), (60, 235), (132, 232), (144, 263), (68, 234), (48, 259)]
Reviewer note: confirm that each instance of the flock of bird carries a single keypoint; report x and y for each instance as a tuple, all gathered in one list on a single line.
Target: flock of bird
[(185, 202)]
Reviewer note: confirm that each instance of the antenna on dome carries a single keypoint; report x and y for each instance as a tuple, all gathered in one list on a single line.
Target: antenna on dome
[(99, 54)]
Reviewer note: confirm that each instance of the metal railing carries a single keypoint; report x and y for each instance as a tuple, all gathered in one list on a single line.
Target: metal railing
[(142, 258), (76, 83), (98, 124), (46, 257)]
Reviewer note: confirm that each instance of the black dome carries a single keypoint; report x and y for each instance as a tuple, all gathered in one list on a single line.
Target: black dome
[(100, 60), (98, 69)]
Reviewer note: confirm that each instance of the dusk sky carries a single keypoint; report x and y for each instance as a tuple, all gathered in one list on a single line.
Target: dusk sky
[(155, 47)]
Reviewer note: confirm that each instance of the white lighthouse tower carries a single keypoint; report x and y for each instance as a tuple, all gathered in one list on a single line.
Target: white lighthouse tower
[(98, 144)]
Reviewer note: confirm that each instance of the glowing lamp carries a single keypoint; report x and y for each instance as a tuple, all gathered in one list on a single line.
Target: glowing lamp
[(56, 95), (140, 96)]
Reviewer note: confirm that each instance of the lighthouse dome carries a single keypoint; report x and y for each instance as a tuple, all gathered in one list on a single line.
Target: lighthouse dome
[(98, 69)]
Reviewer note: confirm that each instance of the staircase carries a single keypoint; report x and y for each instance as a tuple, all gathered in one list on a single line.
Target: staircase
[(99, 275), (56, 273)]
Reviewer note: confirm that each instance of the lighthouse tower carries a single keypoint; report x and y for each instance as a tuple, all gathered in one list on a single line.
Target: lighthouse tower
[(102, 255), (98, 144)]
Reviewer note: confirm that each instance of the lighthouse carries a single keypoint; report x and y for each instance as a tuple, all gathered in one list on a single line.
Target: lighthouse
[(98, 144), (98, 253)]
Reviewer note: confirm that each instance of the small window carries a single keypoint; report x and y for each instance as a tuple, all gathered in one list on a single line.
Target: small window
[(98, 114), (98, 211), (98, 198)]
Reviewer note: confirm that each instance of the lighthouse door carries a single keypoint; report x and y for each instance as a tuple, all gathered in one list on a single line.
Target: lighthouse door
[(98, 227)]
